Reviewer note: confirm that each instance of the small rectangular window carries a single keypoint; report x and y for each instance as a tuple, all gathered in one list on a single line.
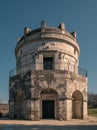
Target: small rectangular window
[(48, 63)]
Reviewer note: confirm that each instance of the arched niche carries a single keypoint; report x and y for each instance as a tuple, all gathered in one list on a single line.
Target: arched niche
[(20, 105), (77, 105)]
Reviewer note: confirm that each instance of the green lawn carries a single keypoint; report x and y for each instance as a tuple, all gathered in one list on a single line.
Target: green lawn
[(92, 112)]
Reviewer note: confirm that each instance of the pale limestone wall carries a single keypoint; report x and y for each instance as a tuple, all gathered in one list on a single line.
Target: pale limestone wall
[(85, 112), (65, 49), (72, 86), (63, 80), (63, 84), (69, 109), (64, 88), (33, 46)]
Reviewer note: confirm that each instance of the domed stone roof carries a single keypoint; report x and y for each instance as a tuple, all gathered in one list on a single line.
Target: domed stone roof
[(45, 32)]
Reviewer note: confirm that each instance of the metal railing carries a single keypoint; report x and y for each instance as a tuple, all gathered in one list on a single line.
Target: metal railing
[(39, 66)]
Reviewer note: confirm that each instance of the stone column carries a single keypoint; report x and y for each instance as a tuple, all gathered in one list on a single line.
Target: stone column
[(84, 109), (57, 60), (39, 62), (68, 109), (35, 107), (61, 109)]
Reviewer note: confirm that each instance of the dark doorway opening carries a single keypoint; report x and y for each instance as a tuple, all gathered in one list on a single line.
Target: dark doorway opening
[(48, 109), (48, 63)]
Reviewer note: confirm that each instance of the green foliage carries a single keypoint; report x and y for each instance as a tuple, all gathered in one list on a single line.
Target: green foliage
[(92, 112), (92, 100)]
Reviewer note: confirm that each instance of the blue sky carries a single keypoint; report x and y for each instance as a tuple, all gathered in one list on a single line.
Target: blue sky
[(78, 15)]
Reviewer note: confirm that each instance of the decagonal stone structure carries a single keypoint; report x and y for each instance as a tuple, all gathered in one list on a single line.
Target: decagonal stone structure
[(48, 82)]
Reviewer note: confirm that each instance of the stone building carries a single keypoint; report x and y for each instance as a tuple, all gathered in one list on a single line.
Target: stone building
[(47, 82)]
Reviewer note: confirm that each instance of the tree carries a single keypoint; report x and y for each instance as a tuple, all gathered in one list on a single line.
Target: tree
[(92, 100)]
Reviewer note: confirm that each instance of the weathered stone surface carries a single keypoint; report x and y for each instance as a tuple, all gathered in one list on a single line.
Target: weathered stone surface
[(48, 83)]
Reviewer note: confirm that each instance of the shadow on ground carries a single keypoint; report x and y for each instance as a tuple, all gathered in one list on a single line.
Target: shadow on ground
[(48, 127)]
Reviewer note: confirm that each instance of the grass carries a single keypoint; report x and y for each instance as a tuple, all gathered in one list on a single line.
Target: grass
[(92, 112)]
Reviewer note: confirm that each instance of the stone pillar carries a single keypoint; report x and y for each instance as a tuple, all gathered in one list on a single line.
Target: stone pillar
[(57, 60), (68, 109), (39, 62), (62, 26), (26, 31), (74, 34), (85, 110), (35, 114), (43, 26), (61, 109), (33, 109)]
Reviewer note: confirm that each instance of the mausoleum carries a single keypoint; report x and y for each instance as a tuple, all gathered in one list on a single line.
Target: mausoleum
[(48, 82)]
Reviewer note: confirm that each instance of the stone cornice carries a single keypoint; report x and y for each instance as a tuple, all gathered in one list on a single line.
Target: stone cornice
[(48, 35)]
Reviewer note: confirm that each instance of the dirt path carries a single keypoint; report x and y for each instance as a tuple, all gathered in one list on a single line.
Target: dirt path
[(89, 121), (89, 124)]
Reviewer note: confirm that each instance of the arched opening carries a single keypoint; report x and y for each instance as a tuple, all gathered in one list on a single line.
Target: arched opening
[(77, 105), (20, 105), (48, 103)]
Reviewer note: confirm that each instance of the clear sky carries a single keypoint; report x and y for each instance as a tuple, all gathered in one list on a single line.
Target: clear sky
[(78, 15)]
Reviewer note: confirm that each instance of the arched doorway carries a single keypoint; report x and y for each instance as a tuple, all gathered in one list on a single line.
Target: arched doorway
[(20, 105), (77, 105), (48, 103)]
